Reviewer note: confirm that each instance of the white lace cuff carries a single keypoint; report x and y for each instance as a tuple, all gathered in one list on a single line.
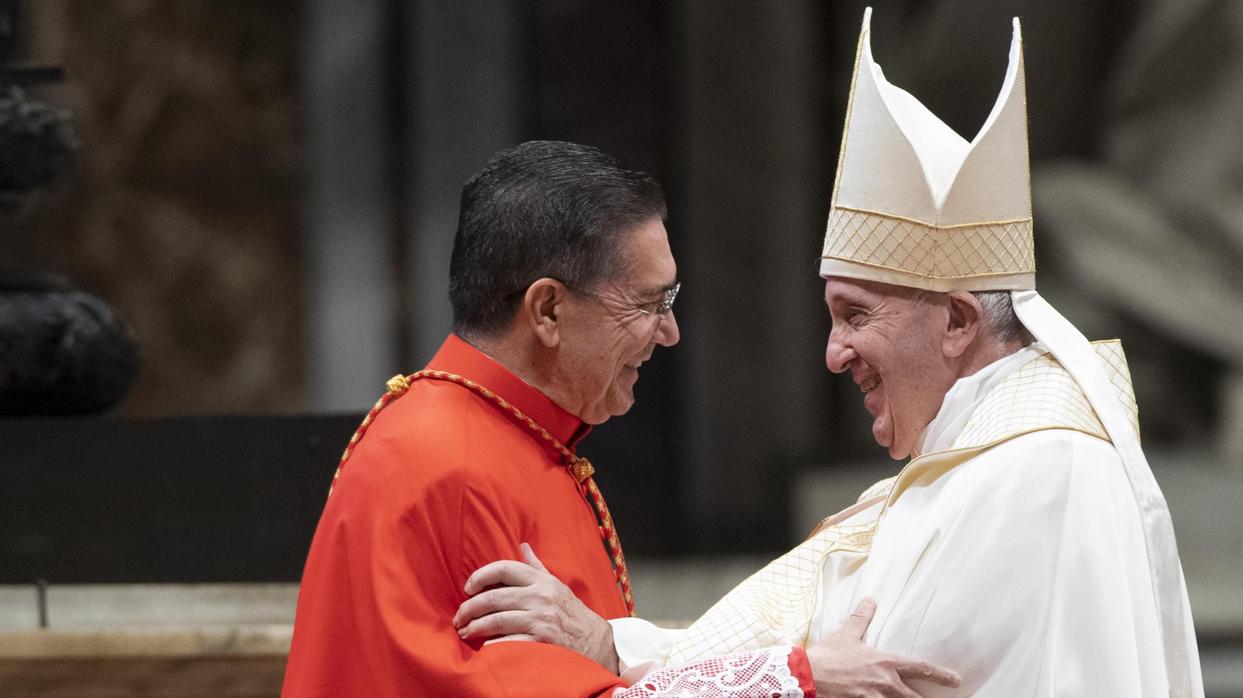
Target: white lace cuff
[(762, 673)]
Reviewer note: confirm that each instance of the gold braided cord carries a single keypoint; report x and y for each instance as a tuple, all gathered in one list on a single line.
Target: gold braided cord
[(579, 468), (505, 404), (358, 435)]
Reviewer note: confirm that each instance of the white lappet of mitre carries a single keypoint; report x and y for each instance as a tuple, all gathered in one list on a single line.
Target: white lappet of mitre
[(916, 205)]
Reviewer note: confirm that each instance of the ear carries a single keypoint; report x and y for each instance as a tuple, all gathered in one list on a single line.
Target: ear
[(963, 324), (540, 310)]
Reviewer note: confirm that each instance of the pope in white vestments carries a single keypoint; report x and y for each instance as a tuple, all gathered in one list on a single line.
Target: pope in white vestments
[(1025, 544)]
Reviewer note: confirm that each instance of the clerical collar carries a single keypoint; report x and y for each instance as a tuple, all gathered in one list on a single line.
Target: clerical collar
[(959, 400), (459, 357)]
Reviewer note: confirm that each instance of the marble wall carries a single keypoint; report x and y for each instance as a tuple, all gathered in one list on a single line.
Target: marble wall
[(184, 210)]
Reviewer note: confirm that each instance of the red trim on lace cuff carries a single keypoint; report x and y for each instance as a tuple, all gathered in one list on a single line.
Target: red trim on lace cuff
[(801, 667)]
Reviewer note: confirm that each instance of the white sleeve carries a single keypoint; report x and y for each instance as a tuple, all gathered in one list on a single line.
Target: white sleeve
[(641, 646)]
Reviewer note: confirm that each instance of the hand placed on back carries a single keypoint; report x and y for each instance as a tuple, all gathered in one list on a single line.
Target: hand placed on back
[(842, 665), (517, 601), (523, 601)]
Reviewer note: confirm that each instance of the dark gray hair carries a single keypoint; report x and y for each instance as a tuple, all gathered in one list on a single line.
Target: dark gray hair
[(541, 209)]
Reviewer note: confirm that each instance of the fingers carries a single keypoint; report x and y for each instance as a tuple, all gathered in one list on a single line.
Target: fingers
[(915, 669), (506, 572), (497, 624), (528, 554), (857, 624), (490, 601), (901, 690)]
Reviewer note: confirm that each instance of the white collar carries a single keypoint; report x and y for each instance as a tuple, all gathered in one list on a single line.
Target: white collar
[(956, 407)]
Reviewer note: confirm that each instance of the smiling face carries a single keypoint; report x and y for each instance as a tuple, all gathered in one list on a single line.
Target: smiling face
[(890, 338), (607, 335)]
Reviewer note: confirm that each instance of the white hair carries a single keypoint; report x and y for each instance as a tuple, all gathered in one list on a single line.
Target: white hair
[(999, 317)]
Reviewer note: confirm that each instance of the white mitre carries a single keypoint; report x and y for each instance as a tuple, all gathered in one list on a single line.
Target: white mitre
[(916, 205)]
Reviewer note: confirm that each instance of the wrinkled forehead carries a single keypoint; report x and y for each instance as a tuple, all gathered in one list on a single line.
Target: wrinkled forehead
[(647, 261), (841, 290)]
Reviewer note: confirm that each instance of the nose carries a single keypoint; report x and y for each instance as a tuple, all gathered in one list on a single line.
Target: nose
[(667, 333), (838, 354)]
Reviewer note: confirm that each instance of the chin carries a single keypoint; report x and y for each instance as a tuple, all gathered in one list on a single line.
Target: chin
[(606, 412), (895, 452), (622, 408)]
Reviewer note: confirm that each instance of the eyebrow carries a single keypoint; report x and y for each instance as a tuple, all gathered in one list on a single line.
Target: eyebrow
[(849, 300), (657, 290)]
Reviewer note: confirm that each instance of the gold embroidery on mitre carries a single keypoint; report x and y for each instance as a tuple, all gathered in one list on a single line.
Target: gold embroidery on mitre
[(936, 252), (973, 232)]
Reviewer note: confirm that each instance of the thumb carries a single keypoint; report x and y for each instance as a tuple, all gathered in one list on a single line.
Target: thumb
[(857, 624), (528, 554)]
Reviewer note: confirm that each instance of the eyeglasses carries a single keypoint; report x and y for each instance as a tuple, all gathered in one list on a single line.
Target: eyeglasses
[(661, 309)]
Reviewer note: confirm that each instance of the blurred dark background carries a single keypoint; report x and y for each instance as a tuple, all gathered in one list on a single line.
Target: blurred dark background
[(267, 192), (257, 205)]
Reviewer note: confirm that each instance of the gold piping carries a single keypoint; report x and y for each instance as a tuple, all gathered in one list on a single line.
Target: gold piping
[(908, 272), (850, 104), (926, 224)]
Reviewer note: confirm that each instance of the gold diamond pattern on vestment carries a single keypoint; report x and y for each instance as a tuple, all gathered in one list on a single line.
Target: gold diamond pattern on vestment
[(1119, 374), (776, 604), (773, 606), (889, 242), (1041, 394)]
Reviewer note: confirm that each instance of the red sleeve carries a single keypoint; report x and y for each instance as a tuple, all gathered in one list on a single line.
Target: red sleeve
[(764, 673), (382, 583), (514, 668)]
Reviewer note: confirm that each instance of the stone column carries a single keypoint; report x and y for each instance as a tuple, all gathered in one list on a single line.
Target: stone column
[(351, 332), (468, 86), (753, 196)]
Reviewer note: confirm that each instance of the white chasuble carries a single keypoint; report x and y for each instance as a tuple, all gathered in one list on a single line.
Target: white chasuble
[(1011, 551)]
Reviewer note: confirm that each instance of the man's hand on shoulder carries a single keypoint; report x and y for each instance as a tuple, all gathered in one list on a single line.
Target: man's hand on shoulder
[(842, 665), (523, 601)]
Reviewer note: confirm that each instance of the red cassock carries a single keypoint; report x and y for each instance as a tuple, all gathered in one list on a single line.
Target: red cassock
[(444, 482)]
